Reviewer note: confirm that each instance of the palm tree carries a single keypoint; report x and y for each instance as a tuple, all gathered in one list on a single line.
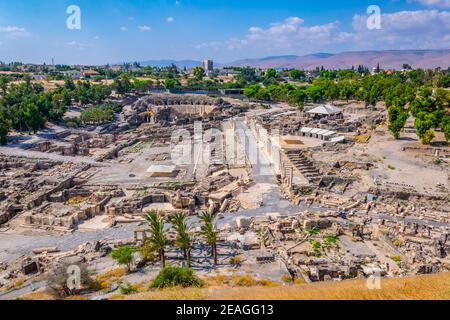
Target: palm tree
[(184, 240), (159, 235), (209, 233)]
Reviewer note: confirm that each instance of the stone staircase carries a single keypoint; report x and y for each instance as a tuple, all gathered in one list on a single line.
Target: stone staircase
[(303, 164)]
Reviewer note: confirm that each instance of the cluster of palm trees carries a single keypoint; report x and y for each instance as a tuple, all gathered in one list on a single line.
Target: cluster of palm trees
[(185, 235)]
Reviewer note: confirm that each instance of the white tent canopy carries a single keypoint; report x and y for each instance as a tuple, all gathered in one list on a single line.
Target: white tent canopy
[(325, 110)]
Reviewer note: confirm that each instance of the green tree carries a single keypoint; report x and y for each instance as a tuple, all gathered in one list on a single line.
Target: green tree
[(257, 92), (124, 256), (332, 91), (297, 74), (5, 126), (158, 236), (199, 73), (397, 120), (247, 75), (209, 233), (315, 93), (4, 81), (423, 124), (445, 127), (429, 112), (347, 89), (184, 239), (271, 73), (32, 117), (171, 84)]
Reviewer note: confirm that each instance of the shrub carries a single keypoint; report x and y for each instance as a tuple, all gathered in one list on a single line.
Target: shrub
[(106, 279), (236, 260), (72, 122), (124, 256), (244, 281), (267, 283), (147, 252), (316, 247), (391, 167), (99, 114), (18, 283), (312, 232), (173, 276), (127, 288), (286, 279), (330, 240), (397, 259), (428, 137), (217, 279), (59, 281)]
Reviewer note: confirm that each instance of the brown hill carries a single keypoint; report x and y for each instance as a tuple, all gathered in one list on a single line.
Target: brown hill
[(392, 59)]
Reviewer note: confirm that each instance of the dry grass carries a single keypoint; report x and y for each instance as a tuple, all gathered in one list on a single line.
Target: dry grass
[(244, 281), (19, 283), (429, 287), (416, 288), (77, 298), (106, 279), (39, 296), (267, 283), (169, 294)]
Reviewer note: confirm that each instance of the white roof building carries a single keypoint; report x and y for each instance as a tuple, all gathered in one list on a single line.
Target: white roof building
[(326, 110)]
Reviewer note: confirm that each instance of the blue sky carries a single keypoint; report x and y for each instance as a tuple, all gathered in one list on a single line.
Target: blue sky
[(224, 30)]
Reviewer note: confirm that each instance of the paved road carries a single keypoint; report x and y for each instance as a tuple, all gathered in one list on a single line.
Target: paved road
[(13, 246), (262, 173), (17, 152)]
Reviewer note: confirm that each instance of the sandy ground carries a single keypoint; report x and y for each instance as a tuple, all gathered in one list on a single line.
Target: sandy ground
[(402, 167)]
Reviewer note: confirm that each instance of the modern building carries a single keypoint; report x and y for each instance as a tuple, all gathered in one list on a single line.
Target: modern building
[(89, 73), (208, 65), (73, 74)]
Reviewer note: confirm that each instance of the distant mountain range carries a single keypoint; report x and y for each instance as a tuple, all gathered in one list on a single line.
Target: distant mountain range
[(392, 59), (165, 63), (388, 59)]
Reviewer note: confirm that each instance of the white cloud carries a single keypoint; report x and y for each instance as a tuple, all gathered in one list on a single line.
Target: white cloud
[(423, 29), (434, 3), (123, 28), (14, 31), (290, 34), (170, 19), (144, 28), (75, 45)]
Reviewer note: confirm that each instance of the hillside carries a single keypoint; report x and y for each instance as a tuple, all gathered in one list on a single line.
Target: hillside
[(427, 287), (387, 59), (392, 59)]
